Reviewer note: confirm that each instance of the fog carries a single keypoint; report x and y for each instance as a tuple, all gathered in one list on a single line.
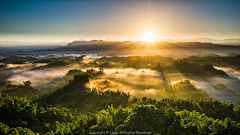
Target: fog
[(230, 71), (138, 82), (145, 82)]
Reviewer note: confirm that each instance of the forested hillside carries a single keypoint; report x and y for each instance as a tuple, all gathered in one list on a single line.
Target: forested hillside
[(77, 109), (223, 61)]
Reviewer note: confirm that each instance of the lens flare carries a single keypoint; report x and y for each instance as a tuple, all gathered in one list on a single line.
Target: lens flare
[(148, 36)]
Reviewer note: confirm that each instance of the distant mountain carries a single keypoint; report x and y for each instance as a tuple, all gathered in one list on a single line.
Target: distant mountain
[(30, 46), (35, 47), (7, 49), (128, 46), (230, 41)]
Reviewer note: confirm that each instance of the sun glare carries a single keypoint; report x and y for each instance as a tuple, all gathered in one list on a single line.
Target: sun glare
[(148, 36)]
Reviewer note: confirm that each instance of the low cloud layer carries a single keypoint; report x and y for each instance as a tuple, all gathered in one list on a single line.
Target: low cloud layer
[(139, 83)]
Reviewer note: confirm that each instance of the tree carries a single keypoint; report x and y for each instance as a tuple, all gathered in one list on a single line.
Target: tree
[(27, 83)]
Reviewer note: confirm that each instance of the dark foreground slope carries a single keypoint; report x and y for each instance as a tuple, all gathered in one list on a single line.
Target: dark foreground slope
[(116, 112)]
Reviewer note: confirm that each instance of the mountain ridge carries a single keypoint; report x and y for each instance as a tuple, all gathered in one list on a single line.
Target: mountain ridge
[(99, 46)]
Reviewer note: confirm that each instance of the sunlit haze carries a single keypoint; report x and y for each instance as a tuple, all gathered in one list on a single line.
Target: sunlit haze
[(67, 21), (149, 36)]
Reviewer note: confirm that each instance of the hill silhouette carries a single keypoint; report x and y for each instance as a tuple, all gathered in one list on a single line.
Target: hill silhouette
[(139, 47)]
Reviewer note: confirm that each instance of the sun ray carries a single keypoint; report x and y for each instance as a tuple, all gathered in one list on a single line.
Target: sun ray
[(149, 36)]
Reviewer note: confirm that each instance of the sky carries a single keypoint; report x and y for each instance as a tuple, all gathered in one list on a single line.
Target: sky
[(117, 20)]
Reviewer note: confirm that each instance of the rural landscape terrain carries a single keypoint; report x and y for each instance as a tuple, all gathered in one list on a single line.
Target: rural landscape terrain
[(151, 85)]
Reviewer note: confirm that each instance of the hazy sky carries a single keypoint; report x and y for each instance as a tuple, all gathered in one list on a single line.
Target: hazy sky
[(68, 20)]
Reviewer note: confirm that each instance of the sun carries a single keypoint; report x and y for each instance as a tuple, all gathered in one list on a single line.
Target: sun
[(148, 36)]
